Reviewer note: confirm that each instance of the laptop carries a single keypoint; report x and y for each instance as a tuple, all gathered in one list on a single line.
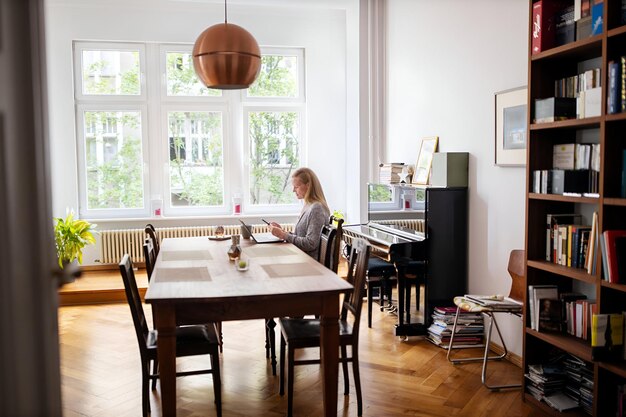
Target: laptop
[(261, 237)]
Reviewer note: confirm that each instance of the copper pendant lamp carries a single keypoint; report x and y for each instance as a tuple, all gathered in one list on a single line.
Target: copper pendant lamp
[(226, 56)]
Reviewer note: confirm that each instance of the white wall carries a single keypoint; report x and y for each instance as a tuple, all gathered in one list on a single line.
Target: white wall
[(318, 27), (446, 59)]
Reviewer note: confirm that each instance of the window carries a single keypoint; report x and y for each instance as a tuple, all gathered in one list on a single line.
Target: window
[(191, 147)]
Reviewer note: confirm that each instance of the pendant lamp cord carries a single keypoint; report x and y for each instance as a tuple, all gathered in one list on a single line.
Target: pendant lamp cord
[(225, 13)]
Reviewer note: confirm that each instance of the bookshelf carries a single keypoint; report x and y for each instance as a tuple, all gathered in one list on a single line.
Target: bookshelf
[(608, 130)]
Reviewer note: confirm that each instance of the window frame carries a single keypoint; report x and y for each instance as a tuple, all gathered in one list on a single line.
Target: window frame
[(80, 46), (154, 104), (113, 213)]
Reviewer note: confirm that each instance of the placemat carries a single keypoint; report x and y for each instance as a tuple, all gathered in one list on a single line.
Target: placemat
[(192, 255), (193, 274), (290, 270), (260, 251)]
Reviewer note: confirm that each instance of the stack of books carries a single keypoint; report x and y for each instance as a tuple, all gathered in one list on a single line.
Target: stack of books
[(564, 382), (390, 173), (469, 329), (545, 380)]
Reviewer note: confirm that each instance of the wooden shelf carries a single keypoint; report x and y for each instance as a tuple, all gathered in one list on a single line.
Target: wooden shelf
[(587, 122), (579, 274), (617, 287), (545, 69), (582, 49), (565, 342), (615, 202), (618, 368), (564, 198), (551, 411)]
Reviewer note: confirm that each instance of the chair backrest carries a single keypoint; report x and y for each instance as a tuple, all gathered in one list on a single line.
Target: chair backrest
[(517, 258), (151, 232), (149, 255), (134, 302), (357, 271), (330, 242)]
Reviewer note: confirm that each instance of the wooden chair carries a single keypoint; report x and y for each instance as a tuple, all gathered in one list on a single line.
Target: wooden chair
[(190, 341), (516, 271), (330, 242), (152, 233), (382, 275), (149, 255), (304, 333)]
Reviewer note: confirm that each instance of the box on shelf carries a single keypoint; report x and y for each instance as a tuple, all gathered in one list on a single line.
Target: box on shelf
[(554, 108), (449, 169), (571, 181), (583, 28), (588, 103)]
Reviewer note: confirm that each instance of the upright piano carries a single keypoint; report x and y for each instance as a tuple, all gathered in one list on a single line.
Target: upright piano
[(428, 237)]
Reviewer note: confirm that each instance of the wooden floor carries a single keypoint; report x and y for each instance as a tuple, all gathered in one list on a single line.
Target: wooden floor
[(101, 374)]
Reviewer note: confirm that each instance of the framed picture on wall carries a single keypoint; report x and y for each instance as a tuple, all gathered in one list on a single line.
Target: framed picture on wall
[(511, 110), (421, 172)]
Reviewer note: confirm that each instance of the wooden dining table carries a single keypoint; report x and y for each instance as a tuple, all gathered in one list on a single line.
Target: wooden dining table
[(194, 282)]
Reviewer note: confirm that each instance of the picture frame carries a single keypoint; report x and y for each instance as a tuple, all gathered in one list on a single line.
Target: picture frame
[(511, 107), (421, 173)]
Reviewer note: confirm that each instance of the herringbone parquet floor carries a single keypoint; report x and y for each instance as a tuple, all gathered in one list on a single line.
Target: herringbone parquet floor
[(101, 375)]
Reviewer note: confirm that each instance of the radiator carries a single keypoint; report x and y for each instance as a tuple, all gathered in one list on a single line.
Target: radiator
[(116, 243)]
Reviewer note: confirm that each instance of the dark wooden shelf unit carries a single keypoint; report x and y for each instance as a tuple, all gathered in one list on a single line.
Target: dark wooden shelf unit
[(608, 130)]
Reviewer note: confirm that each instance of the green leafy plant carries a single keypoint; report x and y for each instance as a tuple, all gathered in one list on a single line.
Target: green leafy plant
[(71, 236)]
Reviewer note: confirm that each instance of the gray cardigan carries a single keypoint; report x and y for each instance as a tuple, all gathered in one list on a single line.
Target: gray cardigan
[(307, 232)]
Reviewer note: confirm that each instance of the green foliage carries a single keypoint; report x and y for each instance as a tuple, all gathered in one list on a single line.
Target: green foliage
[(274, 155), (71, 236), (97, 83), (182, 79), (276, 78), (118, 181), (379, 193)]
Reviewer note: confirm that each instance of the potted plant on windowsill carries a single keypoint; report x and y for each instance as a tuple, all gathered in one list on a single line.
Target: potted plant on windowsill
[(71, 236)]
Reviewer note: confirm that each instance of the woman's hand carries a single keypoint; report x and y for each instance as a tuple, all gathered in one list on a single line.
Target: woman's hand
[(277, 231)]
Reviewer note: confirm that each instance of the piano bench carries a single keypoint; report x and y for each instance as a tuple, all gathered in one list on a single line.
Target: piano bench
[(382, 275)]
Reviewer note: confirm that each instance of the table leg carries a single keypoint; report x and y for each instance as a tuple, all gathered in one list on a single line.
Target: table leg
[(166, 346), (329, 343)]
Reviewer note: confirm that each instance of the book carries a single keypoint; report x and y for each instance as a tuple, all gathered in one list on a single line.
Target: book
[(591, 247), (597, 18), (552, 236), (607, 336), (564, 156), (537, 292), (610, 237), (560, 401), (565, 28), (543, 26), (622, 95), (623, 184), (550, 315), (614, 84)]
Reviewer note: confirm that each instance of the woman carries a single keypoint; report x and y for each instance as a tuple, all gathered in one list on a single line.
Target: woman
[(314, 215)]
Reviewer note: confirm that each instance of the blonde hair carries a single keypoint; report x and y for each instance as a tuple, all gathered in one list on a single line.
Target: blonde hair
[(314, 191)]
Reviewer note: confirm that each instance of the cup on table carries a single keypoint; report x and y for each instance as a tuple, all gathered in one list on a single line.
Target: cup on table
[(219, 231), (245, 233)]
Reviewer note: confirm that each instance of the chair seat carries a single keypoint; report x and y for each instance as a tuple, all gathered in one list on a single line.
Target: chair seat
[(190, 340), (379, 267), (306, 332), (466, 304)]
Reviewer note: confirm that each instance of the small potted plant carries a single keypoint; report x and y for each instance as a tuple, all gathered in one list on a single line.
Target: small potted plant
[(71, 236)]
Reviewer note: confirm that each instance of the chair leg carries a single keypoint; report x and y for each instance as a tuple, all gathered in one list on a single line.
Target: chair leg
[(155, 371), (145, 381), (382, 290), (220, 336), (370, 300), (217, 383), (281, 383), (290, 377), (357, 379), (344, 366), (267, 339), (486, 357), (271, 338)]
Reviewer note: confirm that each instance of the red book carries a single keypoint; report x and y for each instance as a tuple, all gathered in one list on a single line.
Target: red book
[(543, 25), (611, 254)]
